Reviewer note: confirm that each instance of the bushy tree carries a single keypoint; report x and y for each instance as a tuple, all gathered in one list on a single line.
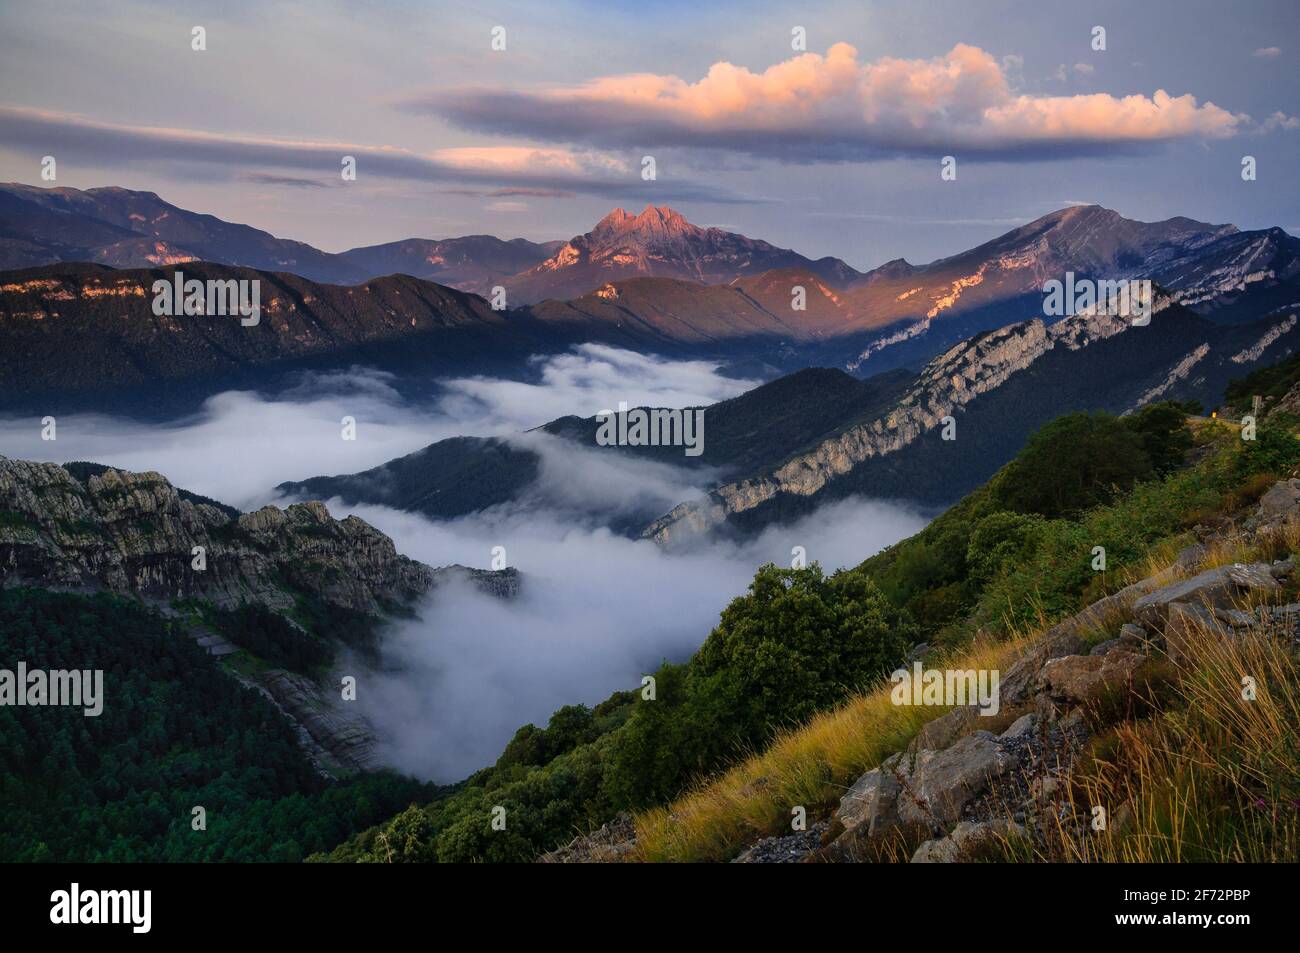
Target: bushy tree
[(1072, 464), (797, 642), (1000, 539)]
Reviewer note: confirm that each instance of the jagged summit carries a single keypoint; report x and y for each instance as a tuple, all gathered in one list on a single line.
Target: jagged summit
[(653, 218), (659, 242)]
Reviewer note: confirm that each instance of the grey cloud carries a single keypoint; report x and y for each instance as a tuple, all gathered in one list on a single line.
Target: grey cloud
[(109, 144)]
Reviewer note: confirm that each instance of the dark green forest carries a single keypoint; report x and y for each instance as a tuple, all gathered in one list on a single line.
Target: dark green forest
[(176, 732)]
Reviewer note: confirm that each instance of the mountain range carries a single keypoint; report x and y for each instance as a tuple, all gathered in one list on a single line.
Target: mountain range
[(77, 325)]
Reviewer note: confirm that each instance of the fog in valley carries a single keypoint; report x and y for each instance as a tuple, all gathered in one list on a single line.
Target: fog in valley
[(596, 609)]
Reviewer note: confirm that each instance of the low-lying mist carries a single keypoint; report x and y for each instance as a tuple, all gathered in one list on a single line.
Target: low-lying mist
[(596, 609), (595, 612)]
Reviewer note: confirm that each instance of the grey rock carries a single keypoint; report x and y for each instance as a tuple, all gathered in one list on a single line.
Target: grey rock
[(941, 732), (1065, 638), (1102, 648), (1237, 618), (1081, 679), (1018, 682), (1134, 636), (965, 837), (334, 725), (1186, 622), (1212, 587), (938, 785), (1190, 558), (1024, 725), (1255, 576), (133, 533), (872, 802), (1282, 499)]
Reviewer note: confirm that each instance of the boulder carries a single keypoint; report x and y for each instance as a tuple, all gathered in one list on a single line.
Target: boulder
[(1103, 647), (1022, 726), (872, 803), (1137, 638), (1280, 501), (1081, 679), (1018, 682), (941, 732), (1190, 558), (1213, 587), (1237, 618), (965, 837), (1256, 576), (937, 785)]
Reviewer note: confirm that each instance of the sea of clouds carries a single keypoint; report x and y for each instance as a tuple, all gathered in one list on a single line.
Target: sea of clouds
[(596, 609)]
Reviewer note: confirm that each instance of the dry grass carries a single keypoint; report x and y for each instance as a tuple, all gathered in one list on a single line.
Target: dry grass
[(811, 766), (1209, 777), (1212, 778)]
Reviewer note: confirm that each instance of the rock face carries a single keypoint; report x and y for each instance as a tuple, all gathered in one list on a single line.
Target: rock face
[(135, 533), (949, 382), (334, 737)]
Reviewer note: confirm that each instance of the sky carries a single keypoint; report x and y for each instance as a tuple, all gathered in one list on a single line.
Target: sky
[(832, 149)]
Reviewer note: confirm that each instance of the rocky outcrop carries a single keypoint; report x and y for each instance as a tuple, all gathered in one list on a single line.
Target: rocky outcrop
[(335, 739), (1281, 499), (959, 790), (135, 533), (949, 382)]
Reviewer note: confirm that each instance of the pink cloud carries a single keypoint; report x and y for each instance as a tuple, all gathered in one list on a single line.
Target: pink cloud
[(835, 106)]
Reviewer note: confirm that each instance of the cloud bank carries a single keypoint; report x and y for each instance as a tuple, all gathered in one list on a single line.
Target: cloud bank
[(241, 444)]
